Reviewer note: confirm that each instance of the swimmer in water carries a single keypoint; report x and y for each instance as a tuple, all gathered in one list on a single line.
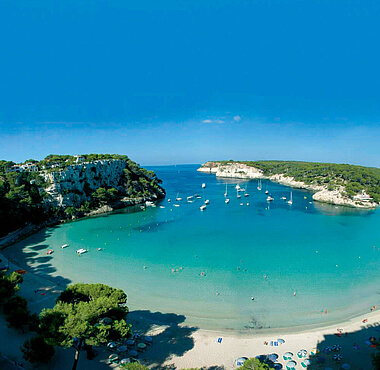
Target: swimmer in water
[(252, 298)]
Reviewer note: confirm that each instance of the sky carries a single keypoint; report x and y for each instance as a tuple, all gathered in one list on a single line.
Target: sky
[(170, 82)]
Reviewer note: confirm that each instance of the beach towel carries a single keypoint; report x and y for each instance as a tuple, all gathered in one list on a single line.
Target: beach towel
[(219, 340)]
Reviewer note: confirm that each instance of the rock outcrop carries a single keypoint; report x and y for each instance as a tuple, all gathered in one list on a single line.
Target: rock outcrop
[(74, 185), (322, 193)]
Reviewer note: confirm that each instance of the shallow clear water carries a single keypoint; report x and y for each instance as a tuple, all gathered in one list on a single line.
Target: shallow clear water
[(323, 253)]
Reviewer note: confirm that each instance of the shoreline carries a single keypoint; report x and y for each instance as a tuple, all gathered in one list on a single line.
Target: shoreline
[(204, 350), (321, 193)]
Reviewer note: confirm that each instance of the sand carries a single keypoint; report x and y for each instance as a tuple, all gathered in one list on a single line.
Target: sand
[(178, 346)]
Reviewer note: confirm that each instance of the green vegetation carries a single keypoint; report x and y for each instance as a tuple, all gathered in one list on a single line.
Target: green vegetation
[(23, 196), (255, 364), (36, 350), (353, 179), (85, 315)]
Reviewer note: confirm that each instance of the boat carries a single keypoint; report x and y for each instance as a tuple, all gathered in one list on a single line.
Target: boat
[(226, 193), (162, 206), (149, 203), (65, 246), (189, 198), (269, 198), (246, 194), (50, 251), (237, 187), (283, 198), (266, 192), (169, 200), (81, 251), (247, 204), (203, 185), (290, 202), (203, 207), (207, 201), (237, 193), (259, 185), (177, 198), (242, 204), (176, 205), (196, 195), (227, 201), (199, 197)]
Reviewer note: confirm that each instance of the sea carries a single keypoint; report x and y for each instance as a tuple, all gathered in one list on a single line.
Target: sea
[(245, 266)]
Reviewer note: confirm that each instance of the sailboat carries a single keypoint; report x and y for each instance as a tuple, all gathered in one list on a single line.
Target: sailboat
[(259, 185), (226, 193), (177, 197), (227, 201), (291, 199), (237, 193), (246, 194)]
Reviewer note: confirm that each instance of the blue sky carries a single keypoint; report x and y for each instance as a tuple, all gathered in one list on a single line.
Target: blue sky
[(187, 81)]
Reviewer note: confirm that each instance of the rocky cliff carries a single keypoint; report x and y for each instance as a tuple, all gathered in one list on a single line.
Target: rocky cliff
[(322, 193), (75, 184)]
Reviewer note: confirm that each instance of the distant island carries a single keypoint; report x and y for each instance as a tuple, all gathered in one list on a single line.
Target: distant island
[(63, 187), (338, 184)]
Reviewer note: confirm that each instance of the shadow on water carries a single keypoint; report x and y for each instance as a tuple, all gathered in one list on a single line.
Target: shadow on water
[(170, 337), (31, 260)]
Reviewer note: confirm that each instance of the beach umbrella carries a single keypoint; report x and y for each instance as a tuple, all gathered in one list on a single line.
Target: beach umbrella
[(141, 346), (289, 355), (291, 364), (337, 347), (106, 320), (262, 358), (130, 342), (307, 362), (314, 351), (337, 357), (113, 358), (302, 353), (272, 357), (148, 339), (125, 361), (346, 366), (327, 349), (136, 336), (281, 341), (133, 353), (122, 348), (111, 345), (277, 367), (240, 361)]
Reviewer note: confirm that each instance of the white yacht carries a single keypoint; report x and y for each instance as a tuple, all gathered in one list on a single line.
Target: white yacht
[(81, 251), (207, 201), (203, 185), (290, 202), (226, 193), (203, 207), (65, 246), (227, 201), (259, 185), (269, 198)]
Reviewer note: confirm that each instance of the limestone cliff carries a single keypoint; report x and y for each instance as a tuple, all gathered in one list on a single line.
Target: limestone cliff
[(76, 183), (322, 193)]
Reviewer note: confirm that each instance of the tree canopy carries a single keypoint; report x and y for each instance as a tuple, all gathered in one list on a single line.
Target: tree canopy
[(79, 311), (255, 364)]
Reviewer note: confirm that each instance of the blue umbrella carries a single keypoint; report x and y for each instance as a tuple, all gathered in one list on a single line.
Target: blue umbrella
[(291, 364), (240, 361)]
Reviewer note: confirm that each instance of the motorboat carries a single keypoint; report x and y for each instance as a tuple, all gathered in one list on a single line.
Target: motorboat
[(269, 198), (149, 203), (227, 201), (207, 201), (81, 251), (203, 185), (65, 246), (202, 207), (290, 202)]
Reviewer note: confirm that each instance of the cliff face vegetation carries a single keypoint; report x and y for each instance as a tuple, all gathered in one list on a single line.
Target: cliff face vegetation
[(62, 186), (341, 184)]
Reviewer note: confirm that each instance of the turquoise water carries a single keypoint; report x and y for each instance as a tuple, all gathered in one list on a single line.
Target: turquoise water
[(324, 253)]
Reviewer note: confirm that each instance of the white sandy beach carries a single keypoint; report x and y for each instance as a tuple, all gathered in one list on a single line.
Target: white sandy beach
[(175, 344)]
